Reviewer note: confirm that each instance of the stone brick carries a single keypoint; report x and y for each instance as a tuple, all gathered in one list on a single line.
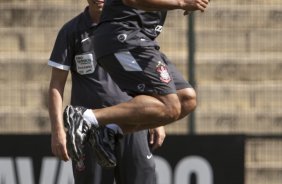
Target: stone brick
[(249, 2), (239, 41), (39, 40), (263, 176), (238, 122), (27, 40), (238, 96), (22, 121), (226, 28), (239, 17), (27, 95), (66, 3), (222, 41), (10, 42), (36, 14), (22, 94), (243, 67), (263, 161), (266, 40), (264, 152), (17, 69)]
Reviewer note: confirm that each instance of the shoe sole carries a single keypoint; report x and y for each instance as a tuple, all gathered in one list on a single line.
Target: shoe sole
[(71, 145)]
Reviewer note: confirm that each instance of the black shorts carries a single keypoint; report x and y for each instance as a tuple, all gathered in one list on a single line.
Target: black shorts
[(135, 164), (143, 70), (179, 81)]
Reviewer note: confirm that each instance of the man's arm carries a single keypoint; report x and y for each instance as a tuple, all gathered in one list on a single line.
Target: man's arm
[(58, 135), (156, 5)]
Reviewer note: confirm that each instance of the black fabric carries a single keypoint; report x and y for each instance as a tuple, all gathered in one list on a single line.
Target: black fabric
[(147, 80), (140, 27), (135, 164)]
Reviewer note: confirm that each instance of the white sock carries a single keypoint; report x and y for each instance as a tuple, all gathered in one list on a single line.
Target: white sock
[(90, 117), (115, 128)]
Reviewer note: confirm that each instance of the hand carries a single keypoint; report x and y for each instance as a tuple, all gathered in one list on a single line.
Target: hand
[(156, 138), (193, 5), (58, 145)]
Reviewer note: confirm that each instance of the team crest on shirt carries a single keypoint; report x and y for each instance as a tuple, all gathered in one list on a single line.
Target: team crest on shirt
[(161, 68)]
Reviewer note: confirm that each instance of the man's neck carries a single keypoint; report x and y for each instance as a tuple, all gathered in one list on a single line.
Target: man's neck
[(95, 16)]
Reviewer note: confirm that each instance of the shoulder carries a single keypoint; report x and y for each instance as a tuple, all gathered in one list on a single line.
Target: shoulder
[(72, 26)]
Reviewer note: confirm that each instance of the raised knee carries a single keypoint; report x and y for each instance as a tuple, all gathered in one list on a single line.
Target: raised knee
[(188, 100)]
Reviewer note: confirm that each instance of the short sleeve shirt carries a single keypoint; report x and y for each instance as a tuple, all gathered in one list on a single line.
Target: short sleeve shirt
[(73, 51)]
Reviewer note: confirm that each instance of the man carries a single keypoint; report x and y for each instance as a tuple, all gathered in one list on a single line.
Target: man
[(93, 88), (129, 53)]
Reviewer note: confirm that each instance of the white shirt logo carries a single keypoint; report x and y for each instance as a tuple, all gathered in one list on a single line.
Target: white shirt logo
[(85, 64), (159, 28), (149, 156), (83, 40), (122, 37), (141, 87)]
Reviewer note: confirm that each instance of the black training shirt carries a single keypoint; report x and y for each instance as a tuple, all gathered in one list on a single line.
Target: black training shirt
[(92, 87)]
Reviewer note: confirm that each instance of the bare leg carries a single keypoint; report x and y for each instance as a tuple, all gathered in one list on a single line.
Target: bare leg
[(144, 112), (187, 98), (142, 109)]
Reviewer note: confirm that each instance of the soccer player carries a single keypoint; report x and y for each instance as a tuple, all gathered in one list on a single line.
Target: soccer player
[(93, 88), (125, 46)]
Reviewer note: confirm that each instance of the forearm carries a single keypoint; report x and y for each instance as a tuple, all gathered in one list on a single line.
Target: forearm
[(58, 138), (55, 109), (157, 5), (154, 5), (56, 91)]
